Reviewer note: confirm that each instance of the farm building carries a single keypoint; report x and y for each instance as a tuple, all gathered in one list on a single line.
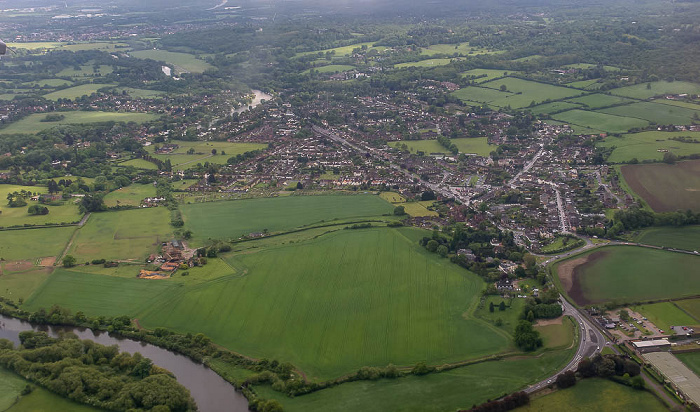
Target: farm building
[(653, 345)]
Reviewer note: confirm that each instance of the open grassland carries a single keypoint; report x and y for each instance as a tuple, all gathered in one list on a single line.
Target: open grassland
[(600, 121), (665, 314), (68, 212), (557, 334), (33, 124), (203, 152), (691, 360), (664, 187), (555, 107), (11, 386), (474, 94), (686, 238), (185, 61), (131, 195), (649, 145), (140, 164), (331, 68), (344, 50), (655, 113), (679, 103), (232, 219), (508, 317), (34, 243), (521, 93), (19, 286), (485, 75), (77, 91), (48, 83), (461, 49), (476, 145), (419, 209), (85, 71), (140, 93), (598, 100), (690, 306), (424, 63), (629, 274), (123, 235), (41, 400), (447, 391), (590, 66), (34, 45), (596, 394), (643, 91), (585, 84)]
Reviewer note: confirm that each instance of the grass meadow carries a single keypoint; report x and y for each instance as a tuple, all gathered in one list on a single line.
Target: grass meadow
[(131, 195), (665, 314), (598, 100), (686, 238), (344, 50), (655, 113), (585, 84), (11, 386), (424, 63), (691, 360), (185, 61), (519, 93), (690, 306), (85, 71), (554, 107), (232, 219), (123, 235), (488, 74), (596, 394), (642, 91), (139, 164), (628, 273), (665, 187), (476, 145), (203, 152), (77, 91), (68, 212), (557, 335), (34, 243), (601, 121), (649, 145), (33, 124), (331, 68), (41, 400)]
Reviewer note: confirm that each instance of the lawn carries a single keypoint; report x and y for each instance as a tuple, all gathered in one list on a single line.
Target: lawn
[(123, 235), (641, 91), (77, 91), (598, 100), (508, 317), (665, 314), (14, 216), (665, 187), (181, 61), (600, 121), (424, 63), (419, 209), (629, 274), (484, 75), (232, 219), (686, 238), (447, 391), (655, 113), (476, 145), (649, 145), (596, 394), (34, 243), (33, 124), (557, 335), (691, 360), (131, 195)]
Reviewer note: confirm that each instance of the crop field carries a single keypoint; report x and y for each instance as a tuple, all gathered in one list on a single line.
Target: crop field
[(77, 91), (690, 306), (184, 61), (649, 145), (231, 219), (691, 360), (640, 91), (123, 235), (34, 243), (655, 112), (664, 187), (600, 121), (131, 195), (665, 314), (140, 164), (553, 107), (424, 63), (33, 124), (521, 93), (686, 237), (477, 145), (11, 386), (331, 68), (596, 394), (457, 389), (597, 100), (488, 74), (13, 216), (628, 274)]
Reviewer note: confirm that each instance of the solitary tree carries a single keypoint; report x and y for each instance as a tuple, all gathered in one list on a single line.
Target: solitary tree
[(502, 306), (69, 261), (491, 307)]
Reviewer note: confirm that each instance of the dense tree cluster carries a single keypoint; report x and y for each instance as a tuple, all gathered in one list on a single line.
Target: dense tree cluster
[(508, 403)]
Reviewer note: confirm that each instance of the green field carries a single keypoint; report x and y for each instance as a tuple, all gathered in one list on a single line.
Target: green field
[(691, 360), (203, 152), (509, 317), (600, 121), (479, 94), (462, 49), (555, 107), (11, 386), (34, 243), (181, 61), (477, 145), (665, 187), (591, 66), (41, 400), (344, 50), (488, 74), (231, 219), (48, 83), (140, 93), (585, 84), (649, 145), (21, 285), (686, 238), (12, 216), (447, 391), (424, 63), (640, 91), (331, 68), (85, 71), (131, 195), (123, 235), (597, 100), (77, 91), (690, 306), (656, 113), (33, 124), (626, 273), (596, 394), (140, 164), (557, 335), (519, 93), (665, 314)]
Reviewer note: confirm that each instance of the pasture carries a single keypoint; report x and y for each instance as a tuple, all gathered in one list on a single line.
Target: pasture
[(554, 107), (131, 195), (77, 91), (484, 75), (479, 94), (590, 84), (424, 63), (665, 187), (600, 121), (331, 68), (691, 360), (649, 145), (68, 212), (690, 306), (591, 66), (123, 235), (419, 209), (85, 71), (180, 159), (598, 100), (344, 50), (686, 237), (457, 389), (508, 318), (665, 314), (42, 400), (34, 243), (461, 49), (642, 91), (596, 394), (139, 164), (21, 284), (33, 124), (629, 274), (181, 61), (232, 219), (519, 93), (48, 83), (557, 334), (11, 386), (655, 113), (476, 145)]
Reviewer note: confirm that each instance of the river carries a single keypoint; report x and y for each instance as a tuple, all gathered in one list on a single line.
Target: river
[(210, 391)]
